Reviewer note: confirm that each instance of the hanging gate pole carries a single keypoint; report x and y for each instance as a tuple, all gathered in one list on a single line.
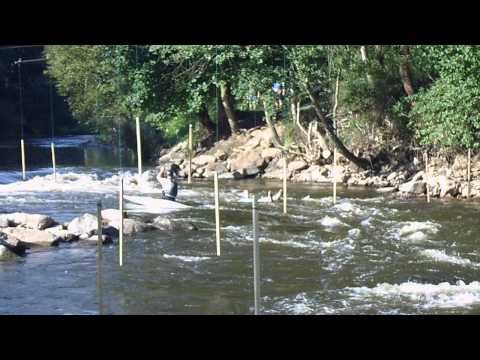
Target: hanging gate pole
[(190, 150), (54, 163), (217, 212), (22, 146), (139, 148), (469, 167), (285, 168), (120, 200), (427, 176), (99, 256), (256, 258)]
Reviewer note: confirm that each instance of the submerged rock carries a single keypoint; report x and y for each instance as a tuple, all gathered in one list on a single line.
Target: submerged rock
[(162, 223)]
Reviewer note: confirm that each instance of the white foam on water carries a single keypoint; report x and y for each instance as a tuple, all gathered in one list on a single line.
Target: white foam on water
[(186, 258), (349, 208), (366, 222), (441, 256), (413, 231), (324, 201), (330, 222), (354, 233), (416, 226), (426, 296)]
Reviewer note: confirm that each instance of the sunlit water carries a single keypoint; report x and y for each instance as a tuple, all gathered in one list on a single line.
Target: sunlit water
[(366, 255)]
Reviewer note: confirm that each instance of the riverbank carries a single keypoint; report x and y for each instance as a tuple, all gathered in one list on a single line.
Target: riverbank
[(399, 173)]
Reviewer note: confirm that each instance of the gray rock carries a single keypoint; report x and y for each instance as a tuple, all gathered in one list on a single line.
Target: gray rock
[(105, 239), (85, 224), (132, 226), (297, 165), (238, 175), (32, 237), (226, 176), (247, 159), (413, 187), (385, 190), (11, 247), (63, 234), (30, 221), (203, 160), (166, 224), (251, 172), (4, 222)]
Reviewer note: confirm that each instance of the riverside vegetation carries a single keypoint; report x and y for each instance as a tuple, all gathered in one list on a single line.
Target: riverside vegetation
[(380, 106)]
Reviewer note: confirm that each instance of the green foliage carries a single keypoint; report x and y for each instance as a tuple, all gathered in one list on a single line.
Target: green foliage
[(171, 85), (447, 114)]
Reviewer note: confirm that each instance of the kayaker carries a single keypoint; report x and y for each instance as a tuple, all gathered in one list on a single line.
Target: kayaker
[(169, 184)]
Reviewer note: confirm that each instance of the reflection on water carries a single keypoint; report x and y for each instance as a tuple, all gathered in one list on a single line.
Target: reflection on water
[(69, 151)]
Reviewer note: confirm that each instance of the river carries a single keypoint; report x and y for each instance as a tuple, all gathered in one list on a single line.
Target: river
[(366, 255)]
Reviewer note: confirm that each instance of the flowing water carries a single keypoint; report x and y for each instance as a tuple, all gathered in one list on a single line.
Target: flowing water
[(366, 255)]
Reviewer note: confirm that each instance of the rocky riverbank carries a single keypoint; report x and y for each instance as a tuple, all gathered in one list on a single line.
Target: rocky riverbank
[(251, 154), (20, 232)]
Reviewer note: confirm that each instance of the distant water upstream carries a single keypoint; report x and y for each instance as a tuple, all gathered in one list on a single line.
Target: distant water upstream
[(366, 255)]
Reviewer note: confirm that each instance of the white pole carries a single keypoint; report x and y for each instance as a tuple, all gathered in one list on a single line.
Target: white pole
[(190, 150), (427, 177), (217, 212), (256, 258), (22, 146), (334, 172), (120, 200), (285, 184), (99, 256), (139, 148), (54, 163), (469, 165)]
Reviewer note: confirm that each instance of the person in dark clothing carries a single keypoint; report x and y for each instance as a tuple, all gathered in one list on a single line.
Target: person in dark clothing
[(169, 184)]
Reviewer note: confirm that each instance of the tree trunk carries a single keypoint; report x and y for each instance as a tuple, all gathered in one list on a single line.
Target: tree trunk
[(276, 139), (405, 72), (205, 119), (229, 108), (360, 162), (363, 54)]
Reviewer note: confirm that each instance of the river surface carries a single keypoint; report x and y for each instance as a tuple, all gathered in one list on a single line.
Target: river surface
[(366, 255)]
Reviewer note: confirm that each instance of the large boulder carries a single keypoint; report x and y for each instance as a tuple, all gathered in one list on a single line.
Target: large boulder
[(4, 222), (85, 224), (63, 234), (413, 187), (220, 155), (11, 247), (203, 160), (111, 215), (32, 237), (273, 174), (447, 186), (132, 226), (30, 221), (270, 153), (247, 159), (297, 165)]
